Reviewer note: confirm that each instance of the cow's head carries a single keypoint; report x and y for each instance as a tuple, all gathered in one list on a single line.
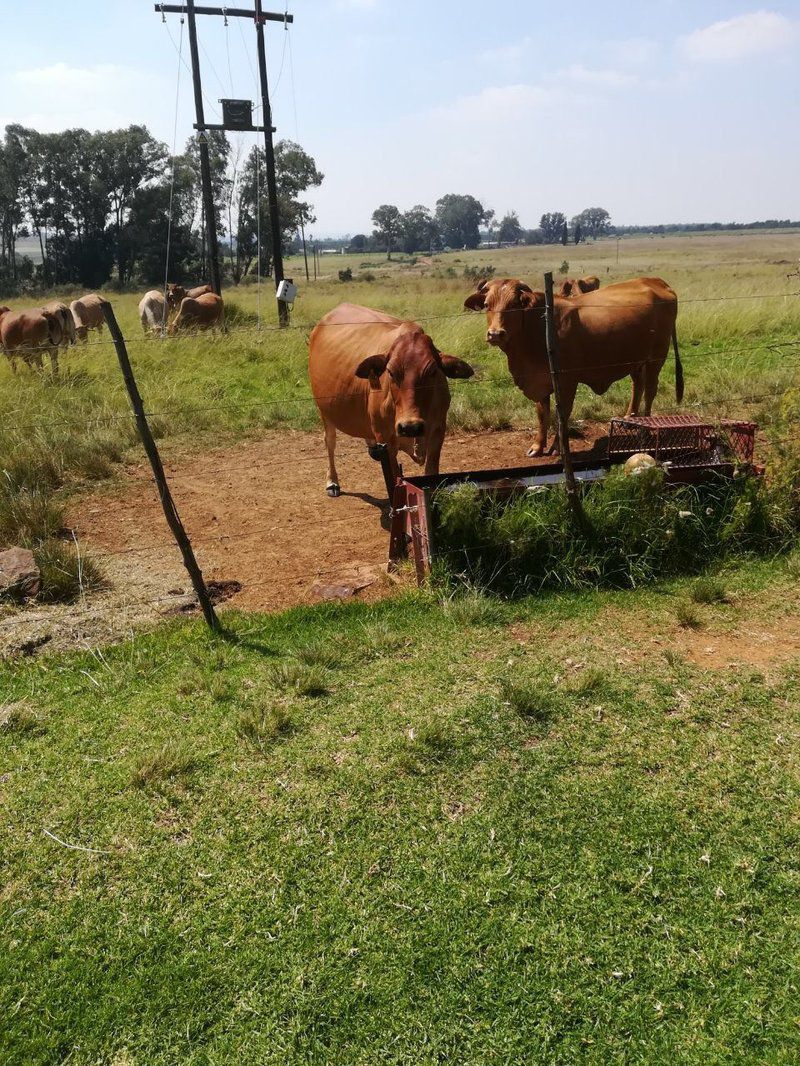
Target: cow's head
[(416, 369), (504, 302), (175, 293)]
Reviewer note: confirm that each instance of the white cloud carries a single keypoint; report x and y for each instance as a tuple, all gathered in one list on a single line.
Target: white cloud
[(630, 52), (746, 35), (497, 104), (100, 96), (506, 53), (611, 78)]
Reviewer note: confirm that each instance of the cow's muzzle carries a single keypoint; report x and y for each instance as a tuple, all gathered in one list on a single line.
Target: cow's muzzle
[(413, 428), (495, 336)]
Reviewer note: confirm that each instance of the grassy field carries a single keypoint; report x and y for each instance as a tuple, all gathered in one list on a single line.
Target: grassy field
[(201, 388), (413, 833), (436, 829)]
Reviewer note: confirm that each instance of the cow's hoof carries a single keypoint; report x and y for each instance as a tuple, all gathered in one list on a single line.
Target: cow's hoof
[(535, 451), (376, 451), (333, 490)]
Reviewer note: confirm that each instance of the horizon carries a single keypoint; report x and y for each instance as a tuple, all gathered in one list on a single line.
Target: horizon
[(665, 114)]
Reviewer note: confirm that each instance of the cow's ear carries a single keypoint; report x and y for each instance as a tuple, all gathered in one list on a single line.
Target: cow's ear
[(455, 367), (373, 364), (476, 301), (529, 298)]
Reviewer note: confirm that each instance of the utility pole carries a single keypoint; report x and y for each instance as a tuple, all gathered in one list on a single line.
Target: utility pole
[(269, 150), (205, 165), (237, 116)]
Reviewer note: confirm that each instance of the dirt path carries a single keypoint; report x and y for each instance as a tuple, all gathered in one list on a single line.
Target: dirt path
[(258, 514)]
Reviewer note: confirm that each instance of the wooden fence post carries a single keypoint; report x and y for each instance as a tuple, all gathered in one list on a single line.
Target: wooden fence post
[(170, 511), (562, 426)]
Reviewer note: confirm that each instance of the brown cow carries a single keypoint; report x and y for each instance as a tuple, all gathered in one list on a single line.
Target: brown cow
[(176, 293), (29, 333), (576, 286), (382, 379), (87, 313), (205, 312), (602, 336)]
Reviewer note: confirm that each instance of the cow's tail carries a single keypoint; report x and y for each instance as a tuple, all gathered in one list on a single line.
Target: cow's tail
[(678, 367)]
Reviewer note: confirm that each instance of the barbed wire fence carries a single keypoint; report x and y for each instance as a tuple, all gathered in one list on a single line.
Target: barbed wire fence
[(357, 521)]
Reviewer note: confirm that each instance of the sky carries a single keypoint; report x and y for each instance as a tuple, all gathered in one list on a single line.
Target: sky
[(676, 111)]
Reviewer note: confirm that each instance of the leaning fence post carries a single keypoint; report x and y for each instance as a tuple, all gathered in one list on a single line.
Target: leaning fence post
[(170, 511), (562, 427)]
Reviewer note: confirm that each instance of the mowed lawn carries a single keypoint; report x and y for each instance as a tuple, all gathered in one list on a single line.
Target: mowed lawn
[(418, 832)]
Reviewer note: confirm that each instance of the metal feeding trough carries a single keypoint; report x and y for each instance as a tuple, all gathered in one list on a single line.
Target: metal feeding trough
[(690, 450), (684, 441)]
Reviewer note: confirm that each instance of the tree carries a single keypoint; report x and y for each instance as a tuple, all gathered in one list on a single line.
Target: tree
[(552, 226), (387, 221), (359, 243), (577, 231), (594, 222), (418, 230), (295, 172), (459, 218), (564, 233), (126, 160), (510, 230)]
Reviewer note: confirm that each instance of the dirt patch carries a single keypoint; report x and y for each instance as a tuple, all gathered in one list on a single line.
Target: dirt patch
[(257, 514)]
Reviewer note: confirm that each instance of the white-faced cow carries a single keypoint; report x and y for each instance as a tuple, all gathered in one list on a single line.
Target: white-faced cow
[(382, 379), (603, 336)]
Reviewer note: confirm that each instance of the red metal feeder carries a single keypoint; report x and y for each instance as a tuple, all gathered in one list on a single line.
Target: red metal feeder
[(690, 450)]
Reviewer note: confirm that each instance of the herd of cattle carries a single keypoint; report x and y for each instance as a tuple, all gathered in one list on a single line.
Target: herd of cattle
[(28, 335), (383, 379)]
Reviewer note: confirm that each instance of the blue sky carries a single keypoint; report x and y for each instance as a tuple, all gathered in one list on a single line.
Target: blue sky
[(669, 111)]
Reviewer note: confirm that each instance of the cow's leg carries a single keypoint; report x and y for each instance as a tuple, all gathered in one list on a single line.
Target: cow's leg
[(651, 373), (332, 483), (53, 353), (433, 453), (13, 361), (637, 384), (568, 390), (540, 436)]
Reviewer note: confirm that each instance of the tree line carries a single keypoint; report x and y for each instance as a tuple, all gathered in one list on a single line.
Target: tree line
[(462, 221), (104, 205)]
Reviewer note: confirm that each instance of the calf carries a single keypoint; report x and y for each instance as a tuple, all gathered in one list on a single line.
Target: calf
[(205, 312), (66, 326), (87, 313), (384, 380)]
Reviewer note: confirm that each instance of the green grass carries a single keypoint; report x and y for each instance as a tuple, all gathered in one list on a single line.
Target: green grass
[(489, 841), (636, 530)]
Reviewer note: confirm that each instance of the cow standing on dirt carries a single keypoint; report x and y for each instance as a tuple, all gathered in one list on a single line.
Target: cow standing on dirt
[(603, 336), (382, 379), (87, 313)]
